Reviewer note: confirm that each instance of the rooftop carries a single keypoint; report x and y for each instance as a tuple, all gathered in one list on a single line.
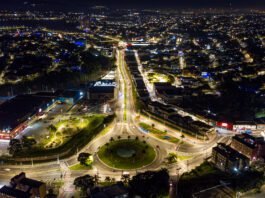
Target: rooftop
[(31, 182), (249, 140), (11, 192), (230, 153), (19, 109)]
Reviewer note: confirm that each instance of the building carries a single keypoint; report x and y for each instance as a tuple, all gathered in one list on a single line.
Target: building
[(250, 146), (23, 187), (16, 112), (34, 187), (114, 191), (225, 125), (244, 126), (160, 109), (69, 96), (103, 90), (9, 192), (261, 126), (168, 93), (229, 160)]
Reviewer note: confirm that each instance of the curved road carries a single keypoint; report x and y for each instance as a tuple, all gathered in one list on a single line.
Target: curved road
[(124, 125)]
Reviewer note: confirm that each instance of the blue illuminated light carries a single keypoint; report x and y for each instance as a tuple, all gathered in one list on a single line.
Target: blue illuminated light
[(80, 43), (205, 75)]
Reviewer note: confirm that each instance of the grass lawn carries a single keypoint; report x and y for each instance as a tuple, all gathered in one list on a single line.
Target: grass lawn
[(181, 157), (127, 154), (173, 140), (173, 126), (55, 185), (106, 129), (64, 130), (158, 133), (77, 140), (79, 167), (151, 129)]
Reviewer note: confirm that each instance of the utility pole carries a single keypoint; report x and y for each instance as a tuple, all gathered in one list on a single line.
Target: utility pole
[(177, 181)]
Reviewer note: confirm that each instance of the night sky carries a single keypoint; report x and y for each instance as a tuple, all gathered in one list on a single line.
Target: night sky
[(82, 4)]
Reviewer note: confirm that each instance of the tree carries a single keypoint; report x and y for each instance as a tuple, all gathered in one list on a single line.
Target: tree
[(28, 142), (96, 178), (107, 179), (51, 194), (82, 158), (172, 157), (52, 128), (84, 182), (150, 183), (14, 146), (125, 178)]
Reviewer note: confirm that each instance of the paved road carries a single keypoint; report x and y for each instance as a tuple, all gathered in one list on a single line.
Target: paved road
[(123, 126)]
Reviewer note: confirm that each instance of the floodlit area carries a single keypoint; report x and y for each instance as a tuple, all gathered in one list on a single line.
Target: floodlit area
[(154, 77), (64, 129), (38, 127)]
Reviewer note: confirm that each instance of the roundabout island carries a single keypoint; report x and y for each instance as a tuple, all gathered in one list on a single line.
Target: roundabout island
[(127, 154)]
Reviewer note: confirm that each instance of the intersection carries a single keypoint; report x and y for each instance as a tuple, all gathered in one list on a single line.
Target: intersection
[(124, 125)]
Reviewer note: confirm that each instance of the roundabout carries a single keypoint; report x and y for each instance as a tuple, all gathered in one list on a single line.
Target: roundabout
[(126, 154)]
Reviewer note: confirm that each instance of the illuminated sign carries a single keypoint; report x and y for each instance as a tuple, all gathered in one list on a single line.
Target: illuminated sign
[(224, 124), (205, 75)]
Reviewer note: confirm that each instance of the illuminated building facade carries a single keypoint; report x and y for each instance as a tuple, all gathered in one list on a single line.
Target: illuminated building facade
[(250, 146), (229, 160)]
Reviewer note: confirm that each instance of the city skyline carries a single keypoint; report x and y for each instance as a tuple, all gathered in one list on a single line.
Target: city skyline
[(98, 101), (168, 4)]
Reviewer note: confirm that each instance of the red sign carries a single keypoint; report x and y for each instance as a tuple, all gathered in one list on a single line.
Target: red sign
[(225, 125)]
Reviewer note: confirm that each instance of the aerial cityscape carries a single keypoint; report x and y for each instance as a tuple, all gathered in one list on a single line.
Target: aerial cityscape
[(132, 99)]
